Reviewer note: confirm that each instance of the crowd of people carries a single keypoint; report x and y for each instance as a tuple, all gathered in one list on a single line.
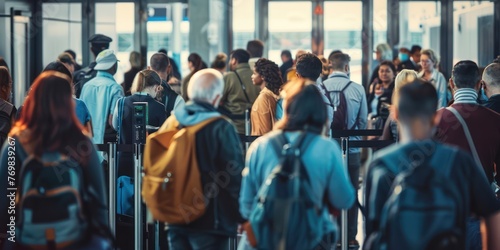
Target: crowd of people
[(446, 147)]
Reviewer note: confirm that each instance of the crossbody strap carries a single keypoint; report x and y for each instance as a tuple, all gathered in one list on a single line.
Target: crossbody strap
[(243, 87), (467, 135)]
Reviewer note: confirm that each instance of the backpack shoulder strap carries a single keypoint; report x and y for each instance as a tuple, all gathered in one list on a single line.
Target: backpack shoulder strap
[(278, 142), (301, 143), (327, 94), (349, 83)]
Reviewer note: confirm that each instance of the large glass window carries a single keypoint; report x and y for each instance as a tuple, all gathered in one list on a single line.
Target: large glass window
[(379, 22), (117, 21), (168, 28), (343, 32), (289, 28), (62, 24), (473, 29), (243, 23), (420, 24)]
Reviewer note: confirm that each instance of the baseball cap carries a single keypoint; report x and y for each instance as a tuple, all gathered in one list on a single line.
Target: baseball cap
[(105, 60)]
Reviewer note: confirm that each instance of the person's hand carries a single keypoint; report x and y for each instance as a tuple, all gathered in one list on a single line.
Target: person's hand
[(240, 229), (379, 90)]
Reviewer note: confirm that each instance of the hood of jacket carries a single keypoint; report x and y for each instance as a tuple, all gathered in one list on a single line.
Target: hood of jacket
[(195, 112)]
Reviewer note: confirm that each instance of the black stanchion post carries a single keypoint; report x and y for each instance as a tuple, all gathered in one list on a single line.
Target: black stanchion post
[(112, 188), (247, 128), (140, 122), (345, 157), (138, 232)]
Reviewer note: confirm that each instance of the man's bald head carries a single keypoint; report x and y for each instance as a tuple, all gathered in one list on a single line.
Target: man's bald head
[(491, 78), (206, 86)]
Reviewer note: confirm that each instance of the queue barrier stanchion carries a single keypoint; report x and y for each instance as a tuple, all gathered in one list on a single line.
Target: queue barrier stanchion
[(110, 149), (345, 157), (247, 129), (112, 187), (138, 231), (345, 145)]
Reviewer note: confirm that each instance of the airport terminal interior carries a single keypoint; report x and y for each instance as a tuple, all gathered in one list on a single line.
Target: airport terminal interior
[(35, 33)]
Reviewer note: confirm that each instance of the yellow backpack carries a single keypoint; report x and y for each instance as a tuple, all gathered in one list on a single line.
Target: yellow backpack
[(171, 185)]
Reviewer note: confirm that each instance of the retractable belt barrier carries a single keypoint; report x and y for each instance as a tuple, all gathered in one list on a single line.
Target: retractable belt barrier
[(345, 144), (112, 148)]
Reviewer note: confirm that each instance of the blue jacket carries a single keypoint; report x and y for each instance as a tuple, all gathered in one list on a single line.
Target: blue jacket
[(323, 161)]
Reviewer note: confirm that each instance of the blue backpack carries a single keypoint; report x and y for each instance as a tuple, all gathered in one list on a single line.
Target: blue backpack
[(425, 210), (51, 206), (285, 216)]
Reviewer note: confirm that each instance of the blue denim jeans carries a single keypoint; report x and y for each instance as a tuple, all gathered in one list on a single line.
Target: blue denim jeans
[(181, 240)]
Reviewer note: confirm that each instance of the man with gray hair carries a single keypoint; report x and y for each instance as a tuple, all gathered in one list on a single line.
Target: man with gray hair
[(220, 163), (491, 86)]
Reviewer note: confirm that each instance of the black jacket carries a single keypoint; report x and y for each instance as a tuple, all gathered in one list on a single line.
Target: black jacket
[(156, 117), (386, 97), (493, 103), (220, 159), (128, 80)]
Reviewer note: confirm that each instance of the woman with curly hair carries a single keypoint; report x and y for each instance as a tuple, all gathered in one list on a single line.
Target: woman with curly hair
[(267, 76)]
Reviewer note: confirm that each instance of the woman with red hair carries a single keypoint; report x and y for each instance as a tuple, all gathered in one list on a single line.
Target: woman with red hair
[(48, 134)]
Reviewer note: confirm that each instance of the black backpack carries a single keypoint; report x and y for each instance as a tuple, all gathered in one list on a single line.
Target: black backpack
[(82, 76), (5, 121), (340, 110), (425, 210)]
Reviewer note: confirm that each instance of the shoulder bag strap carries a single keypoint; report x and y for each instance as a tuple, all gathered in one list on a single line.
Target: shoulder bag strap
[(467, 135), (243, 87)]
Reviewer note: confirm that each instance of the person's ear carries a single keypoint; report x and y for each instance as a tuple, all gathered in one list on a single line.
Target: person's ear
[(478, 85), (216, 101), (452, 84), (395, 113), (436, 118)]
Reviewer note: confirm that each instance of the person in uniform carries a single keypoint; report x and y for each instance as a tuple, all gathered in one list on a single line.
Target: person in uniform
[(98, 43)]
